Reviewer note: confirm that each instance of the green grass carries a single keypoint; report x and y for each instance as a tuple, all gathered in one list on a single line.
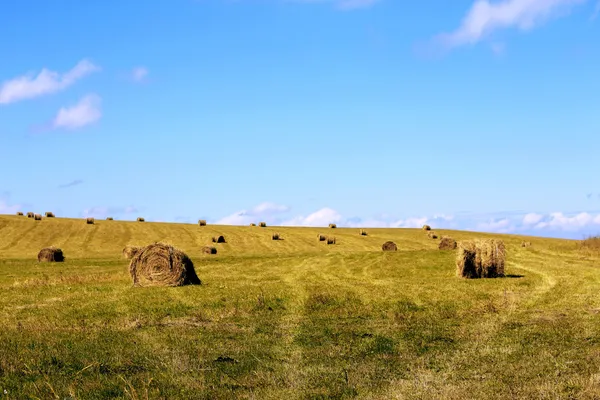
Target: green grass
[(293, 319)]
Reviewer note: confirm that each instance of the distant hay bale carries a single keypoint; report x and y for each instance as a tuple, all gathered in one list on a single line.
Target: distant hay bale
[(252, 224), (321, 238), (447, 243), (218, 239), (140, 219), (30, 215), (431, 235), (482, 258), (19, 213), (262, 224), (37, 217), (275, 236), (109, 218), (49, 214), (209, 250), (89, 221), (525, 244), (363, 232), (389, 246), (51, 254), (160, 264), (330, 240), (130, 251), (332, 225), (426, 228), (202, 222)]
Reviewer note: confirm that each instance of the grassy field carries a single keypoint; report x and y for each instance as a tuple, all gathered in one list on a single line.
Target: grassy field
[(293, 319)]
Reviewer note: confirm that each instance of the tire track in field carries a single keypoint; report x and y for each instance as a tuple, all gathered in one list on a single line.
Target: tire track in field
[(18, 238), (89, 237)]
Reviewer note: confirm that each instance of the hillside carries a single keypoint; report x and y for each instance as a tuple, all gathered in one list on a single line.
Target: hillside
[(293, 318)]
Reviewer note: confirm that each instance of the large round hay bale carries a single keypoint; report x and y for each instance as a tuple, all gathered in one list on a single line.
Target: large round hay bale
[(37, 217), (332, 225), (252, 224), (275, 236), (321, 238), (330, 240), (262, 224), (362, 232), (140, 219), (160, 264), (19, 213), (525, 244), (202, 222), (89, 221), (218, 239), (389, 246), (49, 214), (426, 228), (209, 250), (130, 251), (30, 214), (481, 258), (431, 235), (51, 254), (447, 243)]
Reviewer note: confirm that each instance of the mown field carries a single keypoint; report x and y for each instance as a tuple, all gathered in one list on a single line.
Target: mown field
[(293, 319)]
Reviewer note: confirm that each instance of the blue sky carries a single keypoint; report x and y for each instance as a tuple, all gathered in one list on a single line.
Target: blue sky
[(469, 115)]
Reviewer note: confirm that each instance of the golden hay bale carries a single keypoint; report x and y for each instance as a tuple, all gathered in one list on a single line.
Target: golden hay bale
[(332, 225), (30, 215), (276, 236), (130, 251), (49, 214), (262, 224), (37, 217), (321, 238), (51, 254), (431, 235), (447, 243), (160, 264), (330, 240), (19, 213), (140, 219), (218, 239), (363, 232), (482, 258), (202, 222), (525, 244), (252, 224), (109, 218), (89, 221), (209, 250), (426, 228), (389, 246)]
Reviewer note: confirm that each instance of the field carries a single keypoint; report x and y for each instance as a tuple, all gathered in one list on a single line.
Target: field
[(293, 319)]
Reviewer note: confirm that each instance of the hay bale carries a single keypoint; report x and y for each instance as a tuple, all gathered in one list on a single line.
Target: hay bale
[(525, 244), (49, 214), (426, 228), (19, 213), (482, 258), (262, 224), (332, 226), (37, 217), (252, 224), (218, 239), (202, 222), (30, 215), (431, 235), (321, 238), (51, 254), (362, 232), (140, 219), (160, 264), (209, 250), (109, 218), (89, 221), (130, 251), (447, 243), (330, 240), (389, 246), (275, 236)]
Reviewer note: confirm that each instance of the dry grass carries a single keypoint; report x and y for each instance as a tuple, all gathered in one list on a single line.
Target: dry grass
[(49, 214), (160, 264), (332, 225), (481, 258), (447, 243), (202, 222), (262, 224), (218, 239), (426, 227), (140, 219), (130, 251), (362, 232), (389, 246), (37, 217), (592, 243), (90, 221), (209, 250), (51, 254)]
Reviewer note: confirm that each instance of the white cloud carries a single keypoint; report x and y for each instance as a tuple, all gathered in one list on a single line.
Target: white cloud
[(532, 218), (46, 82), (503, 225), (5, 208), (484, 18), (85, 112), (264, 211), (139, 74), (323, 217), (103, 212), (575, 222)]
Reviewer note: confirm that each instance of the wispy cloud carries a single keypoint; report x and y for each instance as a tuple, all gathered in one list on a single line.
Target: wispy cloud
[(107, 211), (139, 74), (85, 112), (484, 17), (244, 217), (46, 82), (6, 208), (71, 184)]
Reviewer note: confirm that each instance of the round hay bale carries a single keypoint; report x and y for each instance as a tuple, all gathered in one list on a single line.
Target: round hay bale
[(362, 232), (209, 250), (130, 251), (218, 239), (332, 226), (321, 238), (30, 215), (252, 224), (19, 213), (426, 228), (140, 219), (89, 221), (160, 264), (37, 217), (389, 246), (482, 258), (275, 236), (262, 224), (525, 244), (51, 254), (447, 243), (109, 218), (49, 214), (431, 235), (202, 222), (330, 240)]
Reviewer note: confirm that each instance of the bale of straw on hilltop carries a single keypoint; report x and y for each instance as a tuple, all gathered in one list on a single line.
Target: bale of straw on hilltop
[(160, 264), (362, 232), (426, 228), (19, 213), (330, 240), (140, 219), (262, 224), (109, 218), (209, 250), (51, 254), (482, 258), (37, 217), (431, 235), (275, 236), (89, 221), (130, 251), (389, 246), (218, 239), (252, 224), (447, 243), (321, 238), (30, 214), (525, 244), (332, 225), (202, 222), (49, 214)]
